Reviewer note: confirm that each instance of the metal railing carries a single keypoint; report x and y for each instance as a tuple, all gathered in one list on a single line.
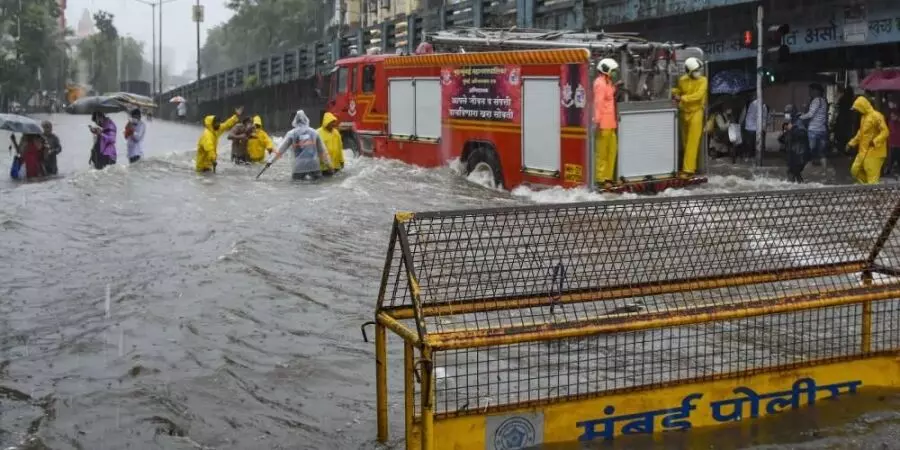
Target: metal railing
[(402, 32)]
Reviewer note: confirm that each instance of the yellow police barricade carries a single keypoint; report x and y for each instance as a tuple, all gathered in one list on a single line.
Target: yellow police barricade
[(537, 325)]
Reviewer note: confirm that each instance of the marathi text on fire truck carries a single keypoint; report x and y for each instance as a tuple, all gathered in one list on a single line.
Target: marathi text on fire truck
[(489, 93)]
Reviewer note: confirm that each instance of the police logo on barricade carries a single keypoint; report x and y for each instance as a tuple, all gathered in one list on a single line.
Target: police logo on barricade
[(515, 432)]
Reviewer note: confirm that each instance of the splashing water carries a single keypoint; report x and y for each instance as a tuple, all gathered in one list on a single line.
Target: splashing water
[(238, 295)]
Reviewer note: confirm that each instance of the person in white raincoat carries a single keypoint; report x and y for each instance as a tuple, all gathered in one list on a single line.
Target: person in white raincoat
[(308, 149)]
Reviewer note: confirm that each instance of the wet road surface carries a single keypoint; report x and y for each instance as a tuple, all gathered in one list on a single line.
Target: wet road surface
[(146, 306)]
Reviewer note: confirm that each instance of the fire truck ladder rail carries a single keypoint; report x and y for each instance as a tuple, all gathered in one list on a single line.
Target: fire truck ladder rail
[(505, 39)]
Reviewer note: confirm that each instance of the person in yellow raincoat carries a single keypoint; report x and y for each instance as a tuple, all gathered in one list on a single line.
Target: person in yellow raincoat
[(259, 142), (691, 94), (870, 141), (331, 137), (208, 144)]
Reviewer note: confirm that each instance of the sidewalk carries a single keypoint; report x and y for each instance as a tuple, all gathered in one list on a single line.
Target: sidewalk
[(774, 165)]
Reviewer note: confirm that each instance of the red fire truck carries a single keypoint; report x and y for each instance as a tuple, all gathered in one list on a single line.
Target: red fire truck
[(516, 105)]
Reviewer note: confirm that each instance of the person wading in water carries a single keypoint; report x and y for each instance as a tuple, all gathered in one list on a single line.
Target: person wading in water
[(104, 152)]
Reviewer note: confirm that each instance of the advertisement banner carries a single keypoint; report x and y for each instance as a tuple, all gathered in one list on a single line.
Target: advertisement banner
[(483, 93), (573, 92)]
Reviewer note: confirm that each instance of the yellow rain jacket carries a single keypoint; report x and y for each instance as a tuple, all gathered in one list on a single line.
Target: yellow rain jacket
[(259, 142), (333, 142), (208, 145), (693, 93), (871, 142)]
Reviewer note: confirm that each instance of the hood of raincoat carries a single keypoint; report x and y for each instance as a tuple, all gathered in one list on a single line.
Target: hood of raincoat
[(257, 121), (208, 122), (862, 105), (329, 118), (300, 119)]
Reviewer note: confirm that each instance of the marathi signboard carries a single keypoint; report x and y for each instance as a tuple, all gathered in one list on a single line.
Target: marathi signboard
[(484, 93), (878, 28)]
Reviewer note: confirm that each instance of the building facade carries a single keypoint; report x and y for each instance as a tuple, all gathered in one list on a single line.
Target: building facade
[(835, 33)]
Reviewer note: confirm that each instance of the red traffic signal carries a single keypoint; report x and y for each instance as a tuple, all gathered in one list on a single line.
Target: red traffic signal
[(748, 39)]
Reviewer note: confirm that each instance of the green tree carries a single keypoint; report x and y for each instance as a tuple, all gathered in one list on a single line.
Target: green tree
[(101, 52), (132, 61), (259, 28), (31, 42)]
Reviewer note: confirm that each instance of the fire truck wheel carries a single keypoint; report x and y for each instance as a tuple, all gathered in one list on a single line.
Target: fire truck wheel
[(485, 159)]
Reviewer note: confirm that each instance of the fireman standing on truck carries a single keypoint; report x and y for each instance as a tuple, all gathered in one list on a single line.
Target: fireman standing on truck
[(691, 94), (606, 142)]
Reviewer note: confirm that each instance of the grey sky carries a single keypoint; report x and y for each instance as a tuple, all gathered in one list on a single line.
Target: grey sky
[(179, 32)]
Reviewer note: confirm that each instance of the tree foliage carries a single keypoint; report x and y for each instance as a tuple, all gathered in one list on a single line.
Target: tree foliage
[(259, 28), (100, 52), (32, 42)]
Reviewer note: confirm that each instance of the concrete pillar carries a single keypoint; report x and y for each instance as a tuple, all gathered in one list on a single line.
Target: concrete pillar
[(578, 10), (384, 37), (477, 13), (411, 32), (525, 13)]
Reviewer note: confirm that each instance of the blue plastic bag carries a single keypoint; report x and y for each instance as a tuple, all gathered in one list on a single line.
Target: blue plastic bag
[(15, 171)]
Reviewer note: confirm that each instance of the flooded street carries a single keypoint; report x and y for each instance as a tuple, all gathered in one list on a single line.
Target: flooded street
[(148, 307)]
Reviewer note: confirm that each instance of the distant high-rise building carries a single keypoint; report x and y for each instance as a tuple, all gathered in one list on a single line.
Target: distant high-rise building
[(85, 25)]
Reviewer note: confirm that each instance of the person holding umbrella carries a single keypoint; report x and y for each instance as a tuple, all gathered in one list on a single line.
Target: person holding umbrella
[(29, 152), (180, 108)]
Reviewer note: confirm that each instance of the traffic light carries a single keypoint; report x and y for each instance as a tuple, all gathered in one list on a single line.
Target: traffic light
[(747, 39), (767, 74), (776, 50)]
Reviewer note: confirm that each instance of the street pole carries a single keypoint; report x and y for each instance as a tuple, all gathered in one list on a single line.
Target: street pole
[(198, 44), (198, 17), (760, 41), (153, 45), (160, 48)]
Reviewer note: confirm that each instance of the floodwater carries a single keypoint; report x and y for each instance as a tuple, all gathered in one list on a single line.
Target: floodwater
[(149, 307)]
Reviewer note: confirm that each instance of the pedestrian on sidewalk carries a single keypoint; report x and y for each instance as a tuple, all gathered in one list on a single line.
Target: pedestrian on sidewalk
[(893, 141), (817, 124), (751, 123), (796, 141)]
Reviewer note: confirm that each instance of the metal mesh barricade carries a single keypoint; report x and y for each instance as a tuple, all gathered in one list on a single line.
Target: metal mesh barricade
[(527, 306)]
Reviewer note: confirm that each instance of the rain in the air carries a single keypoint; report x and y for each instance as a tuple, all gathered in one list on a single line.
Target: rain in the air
[(441, 225)]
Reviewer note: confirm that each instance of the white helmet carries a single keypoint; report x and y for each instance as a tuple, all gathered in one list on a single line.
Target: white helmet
[(692, 64), (607, 65)]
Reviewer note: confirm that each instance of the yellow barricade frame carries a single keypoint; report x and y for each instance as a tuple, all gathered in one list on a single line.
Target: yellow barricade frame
[(550, 296)]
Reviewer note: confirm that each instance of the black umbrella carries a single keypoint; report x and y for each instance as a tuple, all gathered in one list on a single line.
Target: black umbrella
[(100, 103)]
